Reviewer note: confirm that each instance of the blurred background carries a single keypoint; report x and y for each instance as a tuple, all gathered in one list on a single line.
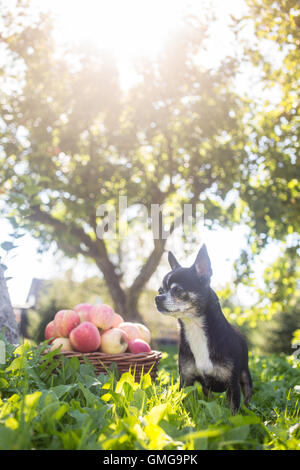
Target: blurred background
[(167, 102)]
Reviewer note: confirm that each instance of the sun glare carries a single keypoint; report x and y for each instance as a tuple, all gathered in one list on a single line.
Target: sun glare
[(127, 28), (139, 28)]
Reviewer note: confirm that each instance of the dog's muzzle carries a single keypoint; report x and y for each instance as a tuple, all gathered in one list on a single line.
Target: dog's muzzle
[(159, 301)]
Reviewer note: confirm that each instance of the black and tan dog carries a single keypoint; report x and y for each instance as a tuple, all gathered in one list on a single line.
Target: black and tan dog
[(211, 350)]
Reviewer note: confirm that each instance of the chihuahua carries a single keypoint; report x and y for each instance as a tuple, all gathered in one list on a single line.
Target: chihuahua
[(211, 350)]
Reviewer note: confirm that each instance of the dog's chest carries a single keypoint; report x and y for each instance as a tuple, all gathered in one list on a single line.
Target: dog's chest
[(198, 342)]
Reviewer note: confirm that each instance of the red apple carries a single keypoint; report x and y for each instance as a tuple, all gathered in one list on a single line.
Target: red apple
[(63, 342), (114, 341), (136, 346), (65, 321), (85, 337), (144, 332), (83, 311), (50, 331), (117, 320), (130, 329), (102, 316)]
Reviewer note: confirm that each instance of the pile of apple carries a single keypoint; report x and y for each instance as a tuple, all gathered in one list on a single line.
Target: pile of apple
[(90, 328)]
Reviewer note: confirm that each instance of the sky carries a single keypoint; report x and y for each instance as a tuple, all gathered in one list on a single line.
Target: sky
[(129, 29)]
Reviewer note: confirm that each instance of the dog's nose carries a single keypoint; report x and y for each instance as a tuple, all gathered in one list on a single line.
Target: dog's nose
[(159, 299)]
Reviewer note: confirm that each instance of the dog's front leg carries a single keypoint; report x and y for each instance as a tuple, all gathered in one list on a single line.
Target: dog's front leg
[(185, 380)]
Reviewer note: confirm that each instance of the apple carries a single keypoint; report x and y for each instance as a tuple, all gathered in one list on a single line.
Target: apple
[(144, 332), (65, 321), (83, 311), (136, 346), (50, 331), (130, 329), (114, 341), (102, 316), (117, 320), (63, 342), (85, 337)]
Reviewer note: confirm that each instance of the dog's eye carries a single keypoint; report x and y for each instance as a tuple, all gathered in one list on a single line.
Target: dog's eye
[(160, 290), (177, 290)]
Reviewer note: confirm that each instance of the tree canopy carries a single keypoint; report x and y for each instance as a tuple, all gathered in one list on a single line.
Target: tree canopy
[(271, 189), (74, 139)]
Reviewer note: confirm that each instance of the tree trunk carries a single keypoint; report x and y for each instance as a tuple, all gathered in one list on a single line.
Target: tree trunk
[(117, 294), (132, 313), (7, 316), (124, 303)]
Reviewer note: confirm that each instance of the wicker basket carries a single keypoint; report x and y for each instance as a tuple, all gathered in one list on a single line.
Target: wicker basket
[(139, 364)]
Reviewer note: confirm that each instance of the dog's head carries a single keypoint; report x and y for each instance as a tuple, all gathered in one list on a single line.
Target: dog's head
[(185, 291)]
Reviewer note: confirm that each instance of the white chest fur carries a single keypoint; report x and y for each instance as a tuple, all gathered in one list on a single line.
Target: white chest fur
[(197, 339)]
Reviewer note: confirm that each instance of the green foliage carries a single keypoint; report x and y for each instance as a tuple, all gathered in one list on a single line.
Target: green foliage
[(271, 189), (277, 334), (7, 246), (273, 316), (46, 407), (279, 302), (296, 337)]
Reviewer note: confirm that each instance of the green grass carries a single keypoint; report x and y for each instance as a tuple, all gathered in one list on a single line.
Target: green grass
[(74, 409)]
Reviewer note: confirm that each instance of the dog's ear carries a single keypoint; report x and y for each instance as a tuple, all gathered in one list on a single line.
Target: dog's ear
[(173, 261), (202, 263)]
